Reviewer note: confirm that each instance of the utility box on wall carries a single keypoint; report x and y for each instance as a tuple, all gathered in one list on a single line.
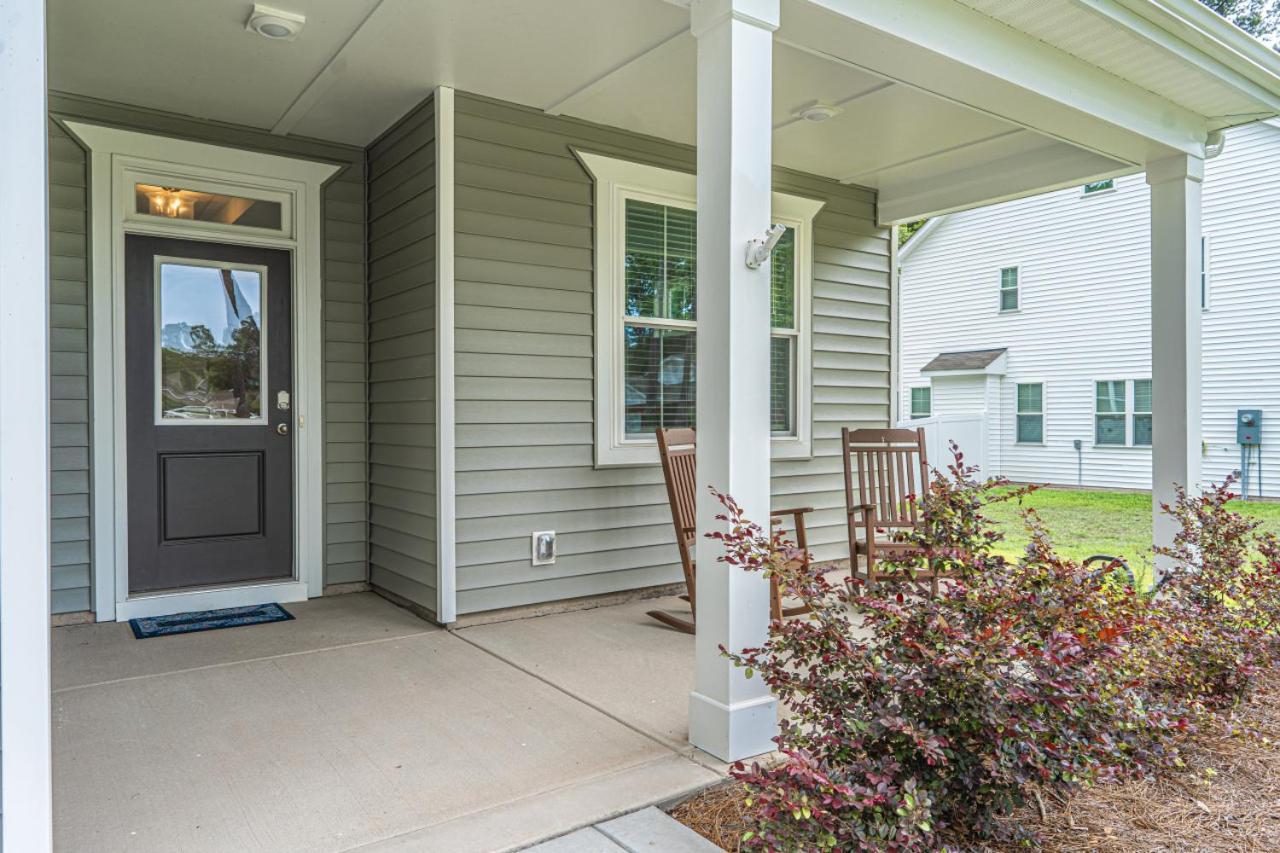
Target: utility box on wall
[(1249, 427)]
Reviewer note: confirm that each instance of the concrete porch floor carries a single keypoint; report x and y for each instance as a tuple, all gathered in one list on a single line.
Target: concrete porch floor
[(359, 726)]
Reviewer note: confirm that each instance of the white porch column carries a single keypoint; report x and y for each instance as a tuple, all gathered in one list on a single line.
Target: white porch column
[(1175, 331), (24, 431), (730, 716)]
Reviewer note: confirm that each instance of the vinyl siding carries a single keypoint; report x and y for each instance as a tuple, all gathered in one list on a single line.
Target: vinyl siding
[(401, 273), (524, 285), (344, 344), (1085, 312)]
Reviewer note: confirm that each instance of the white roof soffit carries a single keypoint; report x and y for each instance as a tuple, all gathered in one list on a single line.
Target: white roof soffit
[(1081, 116)]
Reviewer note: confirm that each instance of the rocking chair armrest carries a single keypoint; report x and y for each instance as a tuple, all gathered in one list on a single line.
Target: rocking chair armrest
[(796, 511), (865, 509)]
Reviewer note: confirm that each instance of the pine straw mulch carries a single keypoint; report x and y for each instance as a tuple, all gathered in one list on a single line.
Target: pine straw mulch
[(1227, 798)]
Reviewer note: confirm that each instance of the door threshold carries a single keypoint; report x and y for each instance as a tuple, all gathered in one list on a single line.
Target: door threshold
[(168, 603)]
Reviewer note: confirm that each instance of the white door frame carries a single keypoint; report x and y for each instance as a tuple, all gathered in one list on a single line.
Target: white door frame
[(114, 152)]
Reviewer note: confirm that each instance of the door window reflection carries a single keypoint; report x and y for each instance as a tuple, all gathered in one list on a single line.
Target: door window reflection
[(211, 334)]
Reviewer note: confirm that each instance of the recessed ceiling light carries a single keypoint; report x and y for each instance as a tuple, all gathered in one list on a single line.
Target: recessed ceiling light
[(816, 111), (274, 24)]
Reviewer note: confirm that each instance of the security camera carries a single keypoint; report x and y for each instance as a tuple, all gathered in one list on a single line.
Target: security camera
[(758, 251)]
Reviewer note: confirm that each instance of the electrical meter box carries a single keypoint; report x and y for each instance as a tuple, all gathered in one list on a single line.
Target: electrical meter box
[(1249, 427)]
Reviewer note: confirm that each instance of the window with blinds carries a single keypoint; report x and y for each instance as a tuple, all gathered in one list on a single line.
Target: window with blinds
[(1142, 412), (1009, 289), (921, 402), (1029, 425), (660, 322), (1110, 416)]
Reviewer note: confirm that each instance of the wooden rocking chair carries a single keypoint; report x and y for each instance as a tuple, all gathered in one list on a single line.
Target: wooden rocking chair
[(888, 467), (676, 448)]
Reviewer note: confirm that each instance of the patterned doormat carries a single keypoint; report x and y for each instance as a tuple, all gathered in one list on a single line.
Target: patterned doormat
[(208, 620)]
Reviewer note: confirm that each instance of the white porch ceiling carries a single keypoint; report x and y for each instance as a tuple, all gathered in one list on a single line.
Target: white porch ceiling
[(930, 132)]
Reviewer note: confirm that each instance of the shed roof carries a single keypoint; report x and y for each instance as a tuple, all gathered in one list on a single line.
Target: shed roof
[(975, 359)]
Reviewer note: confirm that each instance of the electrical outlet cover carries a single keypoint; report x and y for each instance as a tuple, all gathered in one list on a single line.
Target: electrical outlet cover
[(543, 544)]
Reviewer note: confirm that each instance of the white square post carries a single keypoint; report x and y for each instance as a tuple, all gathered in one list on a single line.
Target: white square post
[(731, 716), (24, 431), (1175, 333)]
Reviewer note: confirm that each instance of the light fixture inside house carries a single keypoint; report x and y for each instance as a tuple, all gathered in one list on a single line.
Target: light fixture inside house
[(168, 201), (816, 111), (274, 24)]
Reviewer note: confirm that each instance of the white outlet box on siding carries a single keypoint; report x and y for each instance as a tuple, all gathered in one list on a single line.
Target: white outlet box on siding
[(543, 547)]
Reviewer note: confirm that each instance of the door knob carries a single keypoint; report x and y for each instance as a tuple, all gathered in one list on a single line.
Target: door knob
[(282, 429)]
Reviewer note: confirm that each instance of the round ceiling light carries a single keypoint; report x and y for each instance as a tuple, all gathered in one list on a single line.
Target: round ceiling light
[(274, 24), (817, 112)]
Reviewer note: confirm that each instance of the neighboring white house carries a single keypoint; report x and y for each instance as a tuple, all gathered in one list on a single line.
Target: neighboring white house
[(1037, 312)]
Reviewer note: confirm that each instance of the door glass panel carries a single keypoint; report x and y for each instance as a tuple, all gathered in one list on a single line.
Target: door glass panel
[(179, 203), (211, 334)]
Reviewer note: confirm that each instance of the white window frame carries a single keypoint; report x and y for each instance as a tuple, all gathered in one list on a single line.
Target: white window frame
[(911, 401), (1017, 288), (618, 180), (1044, 407), (1126, 386), (1134, 414)]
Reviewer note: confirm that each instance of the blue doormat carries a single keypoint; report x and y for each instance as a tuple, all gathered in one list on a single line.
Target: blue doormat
[(208, 620)]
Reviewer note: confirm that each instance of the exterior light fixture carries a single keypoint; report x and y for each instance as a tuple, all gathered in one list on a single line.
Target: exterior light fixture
[(758, 251), (274, 24), (817, 112)]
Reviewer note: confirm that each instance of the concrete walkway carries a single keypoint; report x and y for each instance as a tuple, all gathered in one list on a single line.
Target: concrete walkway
[(359, 727)]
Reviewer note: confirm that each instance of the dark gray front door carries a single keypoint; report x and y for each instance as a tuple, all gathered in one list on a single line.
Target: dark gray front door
[(210, 414)]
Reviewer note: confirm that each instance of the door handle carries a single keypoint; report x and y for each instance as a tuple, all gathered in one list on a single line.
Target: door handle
[(282, 429)]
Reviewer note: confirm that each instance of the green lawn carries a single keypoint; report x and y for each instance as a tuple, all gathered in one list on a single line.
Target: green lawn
[(1084, 523)]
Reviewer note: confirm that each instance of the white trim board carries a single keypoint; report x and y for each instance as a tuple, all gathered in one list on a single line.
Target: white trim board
[(25, 727), (446, 462), (113, 152), (615, 180)]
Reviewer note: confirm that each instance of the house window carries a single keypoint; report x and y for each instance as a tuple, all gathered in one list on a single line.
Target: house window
[(1099, 186), (1204, 273), (646, 312), (1030, 415), (921, 402), (1109, 414), (1009, 289), (1142, 412)]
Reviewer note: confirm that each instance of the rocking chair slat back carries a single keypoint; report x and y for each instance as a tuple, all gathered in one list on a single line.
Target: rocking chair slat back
[(888, 468), (678, 452)]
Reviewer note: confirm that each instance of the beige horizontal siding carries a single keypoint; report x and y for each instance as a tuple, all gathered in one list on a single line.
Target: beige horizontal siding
[(524, 350), (401, 327)]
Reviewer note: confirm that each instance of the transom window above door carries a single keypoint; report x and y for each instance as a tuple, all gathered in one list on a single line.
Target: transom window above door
[(646, 317), (193, 205)]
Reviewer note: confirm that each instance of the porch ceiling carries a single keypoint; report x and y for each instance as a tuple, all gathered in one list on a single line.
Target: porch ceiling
[(943, 104)]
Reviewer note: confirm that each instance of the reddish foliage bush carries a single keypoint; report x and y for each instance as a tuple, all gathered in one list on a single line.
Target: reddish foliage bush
[(1219, 602), (911, 715)]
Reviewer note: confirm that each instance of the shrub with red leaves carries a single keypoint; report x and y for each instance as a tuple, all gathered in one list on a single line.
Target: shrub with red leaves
[(1219, 600), (914, 715)]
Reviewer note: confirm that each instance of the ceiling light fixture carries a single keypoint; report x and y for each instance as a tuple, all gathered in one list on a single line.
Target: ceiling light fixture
[(816, 111), (274, 24)]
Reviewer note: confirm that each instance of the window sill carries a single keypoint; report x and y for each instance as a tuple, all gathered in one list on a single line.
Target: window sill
[(1030, 444), (1004, 311), (636, 454)]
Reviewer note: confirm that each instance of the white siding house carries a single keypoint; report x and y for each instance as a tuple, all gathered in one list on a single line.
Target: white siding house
[(1061, 283)]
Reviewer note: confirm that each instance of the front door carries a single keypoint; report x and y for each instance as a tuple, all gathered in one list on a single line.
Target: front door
[(210, 430)]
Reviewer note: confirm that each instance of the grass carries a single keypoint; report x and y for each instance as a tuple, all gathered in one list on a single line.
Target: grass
[(1084, 523)]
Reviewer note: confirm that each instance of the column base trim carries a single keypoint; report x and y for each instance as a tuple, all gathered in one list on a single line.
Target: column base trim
[(733, 732)]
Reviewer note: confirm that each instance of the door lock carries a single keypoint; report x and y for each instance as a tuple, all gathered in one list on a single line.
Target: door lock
[(282, 429)]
